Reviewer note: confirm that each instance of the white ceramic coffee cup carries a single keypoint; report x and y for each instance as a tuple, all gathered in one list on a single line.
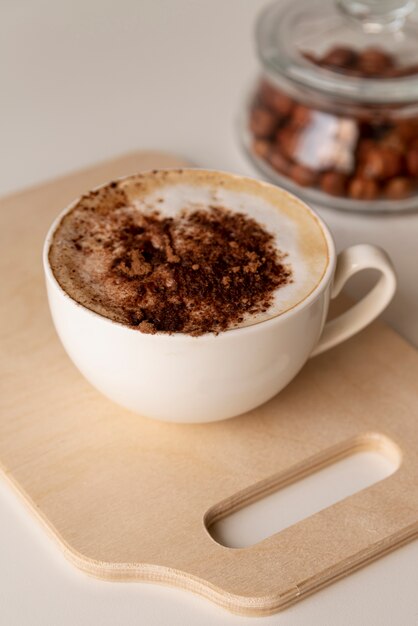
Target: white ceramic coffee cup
[(181, 378)]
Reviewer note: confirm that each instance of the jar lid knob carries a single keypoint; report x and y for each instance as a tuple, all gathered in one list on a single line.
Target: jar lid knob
[(378, 15)]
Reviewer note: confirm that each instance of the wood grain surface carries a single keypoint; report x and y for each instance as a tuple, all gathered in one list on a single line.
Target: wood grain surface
[(128, 498)]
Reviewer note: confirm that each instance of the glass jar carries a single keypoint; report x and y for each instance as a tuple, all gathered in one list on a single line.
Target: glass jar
[(334, 115)]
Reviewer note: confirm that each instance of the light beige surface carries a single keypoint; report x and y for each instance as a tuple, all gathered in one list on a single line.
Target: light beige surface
[(127, 497)]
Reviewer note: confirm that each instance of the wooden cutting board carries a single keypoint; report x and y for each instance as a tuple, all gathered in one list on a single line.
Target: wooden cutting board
[(128, 498)]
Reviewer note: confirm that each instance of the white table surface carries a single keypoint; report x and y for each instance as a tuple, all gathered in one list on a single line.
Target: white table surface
[(85, 80)]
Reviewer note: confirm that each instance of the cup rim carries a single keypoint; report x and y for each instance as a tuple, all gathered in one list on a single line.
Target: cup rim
[(277, 319)]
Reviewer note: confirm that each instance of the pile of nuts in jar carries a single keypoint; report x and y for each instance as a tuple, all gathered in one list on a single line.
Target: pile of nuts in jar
[(365, 157), (369, 63)]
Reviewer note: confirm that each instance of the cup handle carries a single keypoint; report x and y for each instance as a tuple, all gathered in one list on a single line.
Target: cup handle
[(349, 262)]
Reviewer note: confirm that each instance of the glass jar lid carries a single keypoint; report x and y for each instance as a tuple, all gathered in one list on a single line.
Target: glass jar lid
[(358, 51)]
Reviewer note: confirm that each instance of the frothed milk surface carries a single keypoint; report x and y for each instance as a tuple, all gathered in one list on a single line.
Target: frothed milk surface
[(79, 251)]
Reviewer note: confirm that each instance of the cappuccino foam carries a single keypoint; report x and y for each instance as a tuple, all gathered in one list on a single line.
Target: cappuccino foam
[(92, 238)]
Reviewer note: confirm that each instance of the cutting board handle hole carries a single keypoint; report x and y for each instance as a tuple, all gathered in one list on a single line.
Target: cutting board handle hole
[(245, 518)]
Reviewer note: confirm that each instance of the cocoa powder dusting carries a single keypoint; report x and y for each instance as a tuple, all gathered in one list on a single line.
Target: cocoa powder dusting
[(200, 272), (204, 270)]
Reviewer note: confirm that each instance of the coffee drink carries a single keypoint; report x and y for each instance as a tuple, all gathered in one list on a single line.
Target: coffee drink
[(188, 251)]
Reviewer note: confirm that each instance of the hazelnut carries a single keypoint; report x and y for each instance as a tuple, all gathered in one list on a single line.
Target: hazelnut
[(282, 104), (262, 122), (363, 189), (411, 70), (301, 116), (333, 183), (287, 140), (363, 148), (339, 57), (382, 162), (395, 72), (399, 72), (394, 140), (279, 162), (407, 129), (276, 100), (398, 188), (375, 61), (412, 161), (352, 71), (303, 176), (261, 148)]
